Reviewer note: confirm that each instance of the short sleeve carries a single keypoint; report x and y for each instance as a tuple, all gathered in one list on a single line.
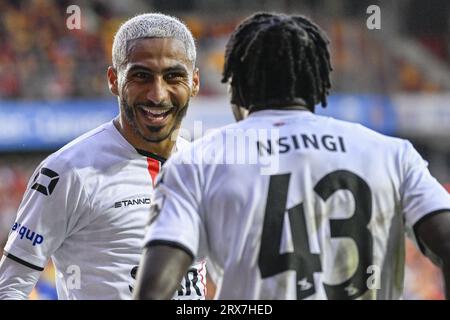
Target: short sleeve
[(176, 210), (49, 211), (421, 193)]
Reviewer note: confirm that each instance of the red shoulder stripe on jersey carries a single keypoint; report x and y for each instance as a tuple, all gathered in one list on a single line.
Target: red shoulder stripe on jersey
[(153, 167)]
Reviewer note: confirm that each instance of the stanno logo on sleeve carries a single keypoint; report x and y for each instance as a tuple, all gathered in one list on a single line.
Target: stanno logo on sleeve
[(49, 178)]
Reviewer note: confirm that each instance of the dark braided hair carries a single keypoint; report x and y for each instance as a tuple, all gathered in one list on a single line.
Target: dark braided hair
[(276, 60)]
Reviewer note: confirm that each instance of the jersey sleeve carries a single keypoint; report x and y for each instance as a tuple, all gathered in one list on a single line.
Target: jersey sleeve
[(421, 194), (16, 280), (49, 211), (176, 208)]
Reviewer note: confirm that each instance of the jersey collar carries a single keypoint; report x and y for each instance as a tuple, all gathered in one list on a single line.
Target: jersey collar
[(278, 112), (151, 155)]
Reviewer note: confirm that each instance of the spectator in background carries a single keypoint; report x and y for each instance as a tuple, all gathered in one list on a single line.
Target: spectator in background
[(58, 63)]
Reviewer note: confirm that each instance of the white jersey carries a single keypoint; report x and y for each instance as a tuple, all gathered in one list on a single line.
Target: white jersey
[(328, 221), (86, 207)]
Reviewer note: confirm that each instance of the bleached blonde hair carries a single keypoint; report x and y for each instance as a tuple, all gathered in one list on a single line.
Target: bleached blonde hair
[(151, 25)]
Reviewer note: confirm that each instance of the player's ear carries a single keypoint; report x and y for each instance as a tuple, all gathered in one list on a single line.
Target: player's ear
[(112, 80), (195, 82)]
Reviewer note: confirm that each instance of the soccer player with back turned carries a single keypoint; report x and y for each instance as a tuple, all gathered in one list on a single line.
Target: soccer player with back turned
[(328, 222)]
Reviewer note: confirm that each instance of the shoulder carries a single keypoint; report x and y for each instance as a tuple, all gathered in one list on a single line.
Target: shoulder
[(182, 143), (211, 140), (365, 135), (92, 149)]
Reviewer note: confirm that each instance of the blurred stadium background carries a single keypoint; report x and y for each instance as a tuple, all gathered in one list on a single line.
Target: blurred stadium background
[(53, 82)]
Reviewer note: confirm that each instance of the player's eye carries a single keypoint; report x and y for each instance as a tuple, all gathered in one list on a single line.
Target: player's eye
[(175, 76), (142, 75)]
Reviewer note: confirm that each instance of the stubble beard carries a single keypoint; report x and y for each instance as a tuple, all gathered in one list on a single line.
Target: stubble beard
[(130, 117)]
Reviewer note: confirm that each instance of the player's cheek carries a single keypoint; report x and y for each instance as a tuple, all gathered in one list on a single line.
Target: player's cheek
[(180, 96)]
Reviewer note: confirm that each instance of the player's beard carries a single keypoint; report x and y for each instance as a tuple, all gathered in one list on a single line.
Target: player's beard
[(130, 117)]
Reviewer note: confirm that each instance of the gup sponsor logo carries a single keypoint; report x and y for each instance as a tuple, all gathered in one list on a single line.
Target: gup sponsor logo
[(23, 231)]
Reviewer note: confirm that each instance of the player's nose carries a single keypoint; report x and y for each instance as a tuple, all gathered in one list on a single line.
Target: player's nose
[(157, 91)]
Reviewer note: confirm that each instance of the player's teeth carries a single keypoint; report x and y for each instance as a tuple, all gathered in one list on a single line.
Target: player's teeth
[(155, 112)]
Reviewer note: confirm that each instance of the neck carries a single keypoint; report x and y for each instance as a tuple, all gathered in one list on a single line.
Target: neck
[(292, 104), (163, 148), (279, 107)]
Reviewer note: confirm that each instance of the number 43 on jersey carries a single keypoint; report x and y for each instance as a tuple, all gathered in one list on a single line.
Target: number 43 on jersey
[(305, 263)]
